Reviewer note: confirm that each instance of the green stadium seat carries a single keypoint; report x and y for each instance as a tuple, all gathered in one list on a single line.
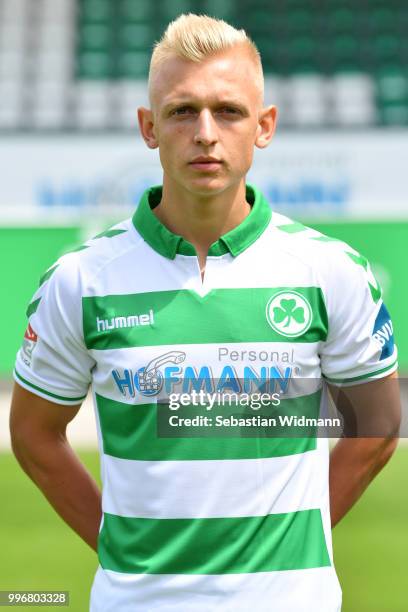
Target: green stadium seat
[(139, 10), (386, 47), (401, 25), (341, 20), (95, 65), (302, 47), (336, 4), (268, 45), (96, 10), (261, 21), (392, 84), (345, 49), (133, 65), (300, 20), (392, 96), (221, 10), (135, 36), (302, 54), (393, 114), (95, 37), (170, 10), (323, 55), (381, 19), (290, 5)]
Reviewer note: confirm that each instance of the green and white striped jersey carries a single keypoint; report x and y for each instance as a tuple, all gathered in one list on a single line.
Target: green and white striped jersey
[(197, 524)]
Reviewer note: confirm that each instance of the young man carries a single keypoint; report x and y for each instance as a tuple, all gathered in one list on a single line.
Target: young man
[(204, 279)]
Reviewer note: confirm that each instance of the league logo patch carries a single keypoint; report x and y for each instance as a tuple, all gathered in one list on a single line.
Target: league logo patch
[(29, 344)]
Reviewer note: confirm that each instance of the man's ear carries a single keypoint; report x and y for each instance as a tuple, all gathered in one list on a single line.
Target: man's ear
[(146, 126), (266, 126)]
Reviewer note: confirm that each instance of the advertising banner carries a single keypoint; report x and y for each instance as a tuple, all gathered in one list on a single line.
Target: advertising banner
[(309, 175)]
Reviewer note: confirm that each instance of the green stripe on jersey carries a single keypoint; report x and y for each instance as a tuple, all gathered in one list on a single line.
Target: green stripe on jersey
[(323, 238), (129, 431), (360, 260), (247, 544), (47, 274), (52, 395), (362, 376), (293, 228), (183, 317), (32, 307), (110, 233)]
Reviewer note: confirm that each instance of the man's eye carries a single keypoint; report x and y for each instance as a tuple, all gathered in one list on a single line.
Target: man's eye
[(229, 110), (183, 110)]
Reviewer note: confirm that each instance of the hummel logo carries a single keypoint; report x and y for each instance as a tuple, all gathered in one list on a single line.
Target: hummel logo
[(130, 321)]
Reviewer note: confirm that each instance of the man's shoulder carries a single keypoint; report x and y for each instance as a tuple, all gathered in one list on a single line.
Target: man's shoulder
[(108, 244), (312, 246), (96, 253), (333, 263)]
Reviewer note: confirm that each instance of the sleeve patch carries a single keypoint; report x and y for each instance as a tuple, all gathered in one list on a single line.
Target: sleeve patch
[(383, 332), (29, 344)]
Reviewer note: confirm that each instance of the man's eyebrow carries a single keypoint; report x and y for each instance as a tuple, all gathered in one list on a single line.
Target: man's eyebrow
[(187, 101)]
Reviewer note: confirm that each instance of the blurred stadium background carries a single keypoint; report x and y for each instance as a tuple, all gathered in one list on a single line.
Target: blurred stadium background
[(72, 73)]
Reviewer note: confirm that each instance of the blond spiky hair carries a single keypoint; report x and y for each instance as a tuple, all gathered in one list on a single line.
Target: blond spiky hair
[(196, 37)]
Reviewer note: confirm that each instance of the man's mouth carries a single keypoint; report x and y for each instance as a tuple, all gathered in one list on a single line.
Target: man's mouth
[(206, 163)]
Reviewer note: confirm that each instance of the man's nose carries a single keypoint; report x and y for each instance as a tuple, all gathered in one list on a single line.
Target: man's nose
[(206, 129)]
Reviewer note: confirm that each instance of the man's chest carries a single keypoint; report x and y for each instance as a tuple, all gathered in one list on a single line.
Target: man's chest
[(230, 339)]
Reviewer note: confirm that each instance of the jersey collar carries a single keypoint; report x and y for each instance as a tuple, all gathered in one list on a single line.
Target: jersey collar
[(169, 245)]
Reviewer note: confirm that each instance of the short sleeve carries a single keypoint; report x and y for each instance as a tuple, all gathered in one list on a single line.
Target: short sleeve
[(53, 361), (360, 343)]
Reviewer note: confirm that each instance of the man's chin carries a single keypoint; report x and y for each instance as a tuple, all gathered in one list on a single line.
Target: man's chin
[(208, 186)]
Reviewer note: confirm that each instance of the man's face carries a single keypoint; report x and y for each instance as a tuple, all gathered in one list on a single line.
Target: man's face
[(206, 120)]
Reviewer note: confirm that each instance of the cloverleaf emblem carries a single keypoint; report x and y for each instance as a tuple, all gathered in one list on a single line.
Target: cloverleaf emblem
[(288, 310)]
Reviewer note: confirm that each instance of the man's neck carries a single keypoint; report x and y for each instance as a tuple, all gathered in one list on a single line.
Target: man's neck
[(202, 219)]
